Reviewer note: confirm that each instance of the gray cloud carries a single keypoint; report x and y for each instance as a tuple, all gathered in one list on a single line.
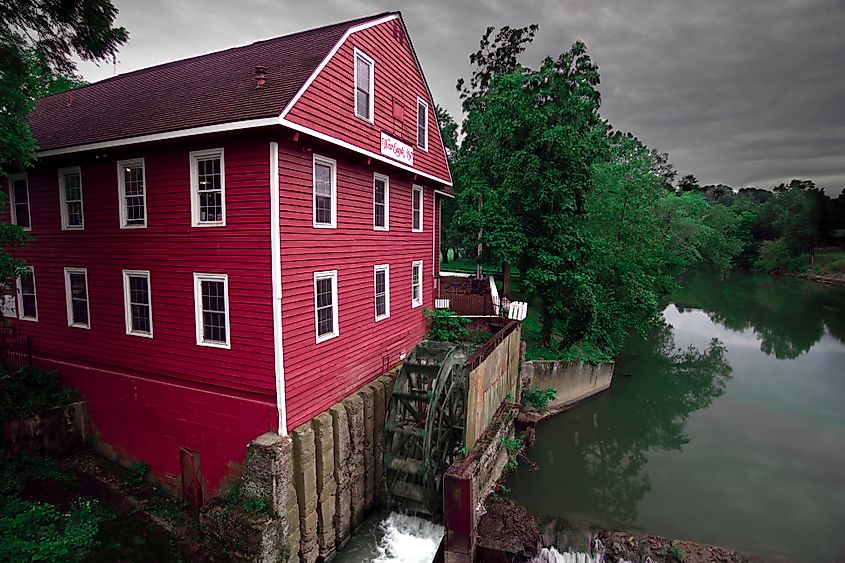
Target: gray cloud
[(744, 93)]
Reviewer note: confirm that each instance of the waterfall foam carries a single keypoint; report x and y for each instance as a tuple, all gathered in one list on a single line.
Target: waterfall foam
[(408, 539), (552, 555)]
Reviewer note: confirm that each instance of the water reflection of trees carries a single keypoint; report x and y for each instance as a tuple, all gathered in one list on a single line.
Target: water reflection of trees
[(647, 411), (788, 316)]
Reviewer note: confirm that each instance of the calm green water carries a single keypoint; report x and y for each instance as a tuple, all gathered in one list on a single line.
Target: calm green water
[(729, 429)]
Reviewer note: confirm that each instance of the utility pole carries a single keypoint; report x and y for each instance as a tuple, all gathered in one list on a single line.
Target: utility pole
[(480, 232)]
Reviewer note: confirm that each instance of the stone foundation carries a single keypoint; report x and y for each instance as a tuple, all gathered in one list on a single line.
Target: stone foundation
[(58, 431), (317, 484)]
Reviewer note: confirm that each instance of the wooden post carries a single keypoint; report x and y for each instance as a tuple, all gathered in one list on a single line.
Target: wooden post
[(459, 518)]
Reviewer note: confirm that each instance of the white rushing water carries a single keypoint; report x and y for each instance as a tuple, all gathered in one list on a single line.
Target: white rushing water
[(552, 555), (408, 539)]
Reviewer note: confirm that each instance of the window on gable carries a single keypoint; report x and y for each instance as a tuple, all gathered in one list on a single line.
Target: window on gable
[(208, 188), (325, 192), (136, 293), (211, 300), (422, 124), (417, 209), (364, 75), (382, 291), (325, 305), (70, 192), (416, 283), (19, 198), (76, 292), (381, 187), (133, 194), (26, 295)]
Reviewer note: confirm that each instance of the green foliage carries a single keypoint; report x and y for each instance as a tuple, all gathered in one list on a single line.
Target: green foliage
[(538, 398), (31, 391), (677, 553), (168, 507), (236, 499), (514, 448), (138, 472), (446, 326), (39, 41), (776, 256), (37, 531)]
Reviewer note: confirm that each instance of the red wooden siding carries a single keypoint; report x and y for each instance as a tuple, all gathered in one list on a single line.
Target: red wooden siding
[(172, 251), (327, 104), (150, 396), (319, 375)]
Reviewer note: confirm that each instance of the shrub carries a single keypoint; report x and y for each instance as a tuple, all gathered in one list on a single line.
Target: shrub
[(775, 255), (538, 398), (446, 326), (38, 531), (31, 391)]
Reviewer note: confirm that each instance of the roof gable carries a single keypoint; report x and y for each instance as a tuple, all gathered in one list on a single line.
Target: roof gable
[(201, 91)]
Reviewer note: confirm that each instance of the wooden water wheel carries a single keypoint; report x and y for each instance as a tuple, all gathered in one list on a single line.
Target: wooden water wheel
[(424, 430)]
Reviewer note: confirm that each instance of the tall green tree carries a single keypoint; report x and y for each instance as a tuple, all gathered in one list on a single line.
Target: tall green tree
[(38, 42), (450, 235), (38, 39), (530, 141)]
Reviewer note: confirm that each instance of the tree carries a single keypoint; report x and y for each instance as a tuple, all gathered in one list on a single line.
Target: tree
[(38, 39), (688, 183), (530, 142)]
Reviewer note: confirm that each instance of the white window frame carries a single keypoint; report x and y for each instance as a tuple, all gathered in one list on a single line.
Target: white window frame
[(386, 180), (416, 265), (198, 279), (330, 162), (63, 198), (369, 60), (423, 146), (121, 183), (21, 314), (386, 269), (127, 304), (69, 301), (416, 188), (12, 178), (327, 274), (195, 203)]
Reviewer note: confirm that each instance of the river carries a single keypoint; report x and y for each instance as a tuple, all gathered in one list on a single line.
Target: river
[(725, 426)]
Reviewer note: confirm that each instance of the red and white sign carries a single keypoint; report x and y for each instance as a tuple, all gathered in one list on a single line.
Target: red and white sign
[(396, 149)]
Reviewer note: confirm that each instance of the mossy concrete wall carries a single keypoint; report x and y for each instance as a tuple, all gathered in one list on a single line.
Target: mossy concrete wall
[(59, 431), (572, 381)]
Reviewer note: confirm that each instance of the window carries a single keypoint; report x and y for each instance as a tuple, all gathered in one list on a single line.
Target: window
[(382, 291), (416, 283), (26, 295), (364, 71), (136, 297), (133, 193), (70, 191), (208, 188), (422, 124), (381, 187), (417, 206), (325, 305), (325, 192), (19, 198), (211, 299), (76, 292)]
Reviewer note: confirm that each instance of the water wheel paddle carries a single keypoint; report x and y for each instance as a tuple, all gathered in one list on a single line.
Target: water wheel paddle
[(424, 429)]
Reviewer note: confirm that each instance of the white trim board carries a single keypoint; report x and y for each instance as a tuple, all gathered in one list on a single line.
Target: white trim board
[(276, 277)]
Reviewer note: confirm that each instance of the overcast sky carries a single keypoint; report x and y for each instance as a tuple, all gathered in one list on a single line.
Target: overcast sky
[(741, 92)]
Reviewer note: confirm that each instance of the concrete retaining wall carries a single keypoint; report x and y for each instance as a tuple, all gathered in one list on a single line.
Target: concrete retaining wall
[(573, 381), (58, 431), (317, 484)]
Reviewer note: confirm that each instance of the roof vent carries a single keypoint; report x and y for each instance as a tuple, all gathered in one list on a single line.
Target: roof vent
[(260, 76)]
